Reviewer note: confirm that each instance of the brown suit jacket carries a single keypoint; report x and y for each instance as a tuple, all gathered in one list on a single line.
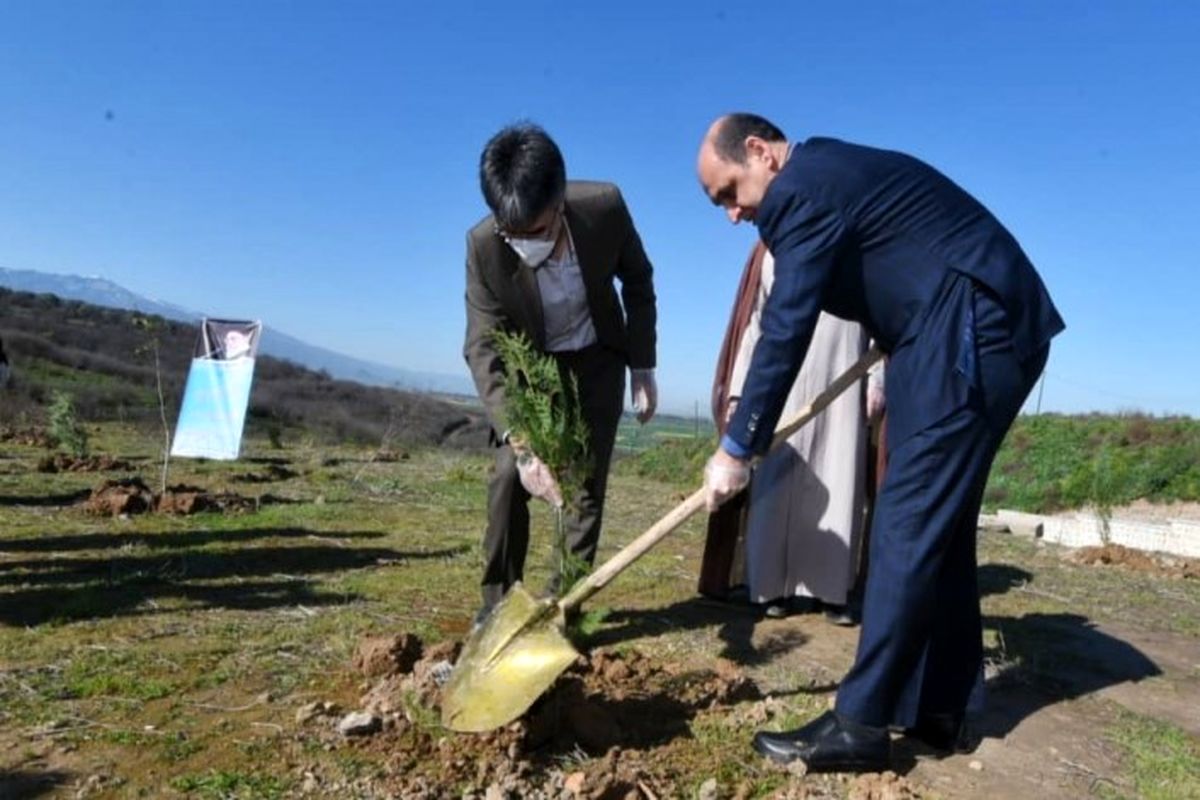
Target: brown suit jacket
[(502, 292)]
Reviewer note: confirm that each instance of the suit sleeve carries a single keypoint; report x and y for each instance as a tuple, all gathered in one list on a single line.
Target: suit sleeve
[(805, 236), (484, 315), (637, 294)]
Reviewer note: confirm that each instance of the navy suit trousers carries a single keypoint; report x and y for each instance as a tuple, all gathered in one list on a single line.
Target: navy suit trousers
[(921, 646)]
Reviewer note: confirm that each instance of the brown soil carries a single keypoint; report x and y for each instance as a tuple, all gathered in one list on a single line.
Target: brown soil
[(1137, 561), (61, 462), (29, 437), (132, 496), (616, 706), (272, 474), (116, 497), (192, 500), (385, 656)]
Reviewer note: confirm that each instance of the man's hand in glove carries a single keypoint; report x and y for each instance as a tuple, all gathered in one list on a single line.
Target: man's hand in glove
[(537, 478), (643, 391), (724, 476)]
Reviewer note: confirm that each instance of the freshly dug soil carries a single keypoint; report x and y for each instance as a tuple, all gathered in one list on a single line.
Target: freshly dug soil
[(614, 706), (132, 496), (1137, 561)]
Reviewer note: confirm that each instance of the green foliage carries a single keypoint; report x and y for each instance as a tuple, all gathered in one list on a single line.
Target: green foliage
[(65, 429), (1052, 462), (677, 461), (541, 408), (1163, 760), (228, 784)]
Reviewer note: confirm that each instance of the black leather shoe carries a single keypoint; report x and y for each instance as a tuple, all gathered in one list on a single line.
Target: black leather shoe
[(829, 744), (946, 732)]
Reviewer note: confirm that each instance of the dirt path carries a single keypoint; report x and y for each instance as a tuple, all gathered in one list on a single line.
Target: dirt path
[(1037, 739)]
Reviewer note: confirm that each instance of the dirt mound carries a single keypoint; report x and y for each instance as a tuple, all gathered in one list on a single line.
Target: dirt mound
[(132, 496), (272, 474), (192, 500), (615, 705), (61, 462), (116, 497), (1138, 561), (385, 656), (29, 437), (883, 786)]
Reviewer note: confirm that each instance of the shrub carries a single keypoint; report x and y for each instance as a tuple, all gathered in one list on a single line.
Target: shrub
[(65, 429)]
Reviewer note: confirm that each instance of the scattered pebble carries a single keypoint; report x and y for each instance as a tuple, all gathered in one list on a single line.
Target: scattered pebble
[(976, 765), (359, 723), (708, 790), (574, 783)]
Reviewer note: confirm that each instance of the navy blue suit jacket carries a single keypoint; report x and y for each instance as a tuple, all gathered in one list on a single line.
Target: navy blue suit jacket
[(872, 236)]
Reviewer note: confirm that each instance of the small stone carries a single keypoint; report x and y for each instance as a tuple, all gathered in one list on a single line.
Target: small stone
[(311, 783), (574, 783), (708, 790), (976, 765), (494, 792), (264, 698), (359, 723), (307, 712)]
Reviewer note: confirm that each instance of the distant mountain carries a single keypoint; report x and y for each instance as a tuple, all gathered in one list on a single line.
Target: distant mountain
[(102, 292)]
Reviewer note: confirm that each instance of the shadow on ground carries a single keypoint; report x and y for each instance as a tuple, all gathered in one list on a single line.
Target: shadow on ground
[(735, 623), (1048, 658), (27, 784), (46, 500), (112, 583)]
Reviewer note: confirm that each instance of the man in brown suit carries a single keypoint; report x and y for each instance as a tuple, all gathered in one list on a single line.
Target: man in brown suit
[(543, 263)]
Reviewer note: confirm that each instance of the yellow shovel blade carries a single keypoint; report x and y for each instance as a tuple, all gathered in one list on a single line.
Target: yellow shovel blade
[(505, 665)]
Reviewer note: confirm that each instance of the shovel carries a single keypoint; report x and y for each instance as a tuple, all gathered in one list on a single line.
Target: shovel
[(522, 647)]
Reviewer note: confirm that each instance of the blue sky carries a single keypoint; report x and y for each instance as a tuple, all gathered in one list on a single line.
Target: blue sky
[(314, 164)]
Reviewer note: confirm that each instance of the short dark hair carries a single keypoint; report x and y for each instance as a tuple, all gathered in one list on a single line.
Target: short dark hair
[(730, 138), (521, 173)]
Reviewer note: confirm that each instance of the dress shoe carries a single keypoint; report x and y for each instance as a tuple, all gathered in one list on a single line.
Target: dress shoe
[(946, 732), (829, 743), (787, 606), (840, 615)]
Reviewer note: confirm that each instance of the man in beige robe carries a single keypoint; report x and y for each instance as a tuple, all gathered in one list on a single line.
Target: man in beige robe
[(805, 519)]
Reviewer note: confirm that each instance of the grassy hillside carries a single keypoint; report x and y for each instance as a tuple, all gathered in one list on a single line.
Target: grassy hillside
[(105, 361), (1048, 463), (1052, 462)]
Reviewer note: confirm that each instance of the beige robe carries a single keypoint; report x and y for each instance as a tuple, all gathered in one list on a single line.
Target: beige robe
[(806, 498)]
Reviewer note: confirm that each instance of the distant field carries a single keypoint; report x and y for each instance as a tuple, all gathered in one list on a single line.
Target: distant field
[(635, 438)]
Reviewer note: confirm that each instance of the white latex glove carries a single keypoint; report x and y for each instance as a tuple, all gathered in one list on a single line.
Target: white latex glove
[(724, 476), (643, 391), (537, 479)]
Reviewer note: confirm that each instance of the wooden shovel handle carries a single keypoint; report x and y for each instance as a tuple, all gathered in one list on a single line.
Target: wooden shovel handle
[(601, 576)]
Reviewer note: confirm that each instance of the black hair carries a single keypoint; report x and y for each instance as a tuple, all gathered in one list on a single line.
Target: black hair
[(730, 139), (521, 174)]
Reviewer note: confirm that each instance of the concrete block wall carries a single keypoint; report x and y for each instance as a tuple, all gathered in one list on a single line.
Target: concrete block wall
[(1084, 529)]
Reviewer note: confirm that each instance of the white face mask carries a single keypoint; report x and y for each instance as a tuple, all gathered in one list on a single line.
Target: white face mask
[(532, 251)]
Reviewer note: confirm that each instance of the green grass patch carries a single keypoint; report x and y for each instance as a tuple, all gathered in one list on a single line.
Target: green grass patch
[(1163, 762), (232, 785), (1052, 462)]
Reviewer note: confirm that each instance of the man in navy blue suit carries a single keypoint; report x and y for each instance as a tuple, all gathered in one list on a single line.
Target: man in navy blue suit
[(883, 239)]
